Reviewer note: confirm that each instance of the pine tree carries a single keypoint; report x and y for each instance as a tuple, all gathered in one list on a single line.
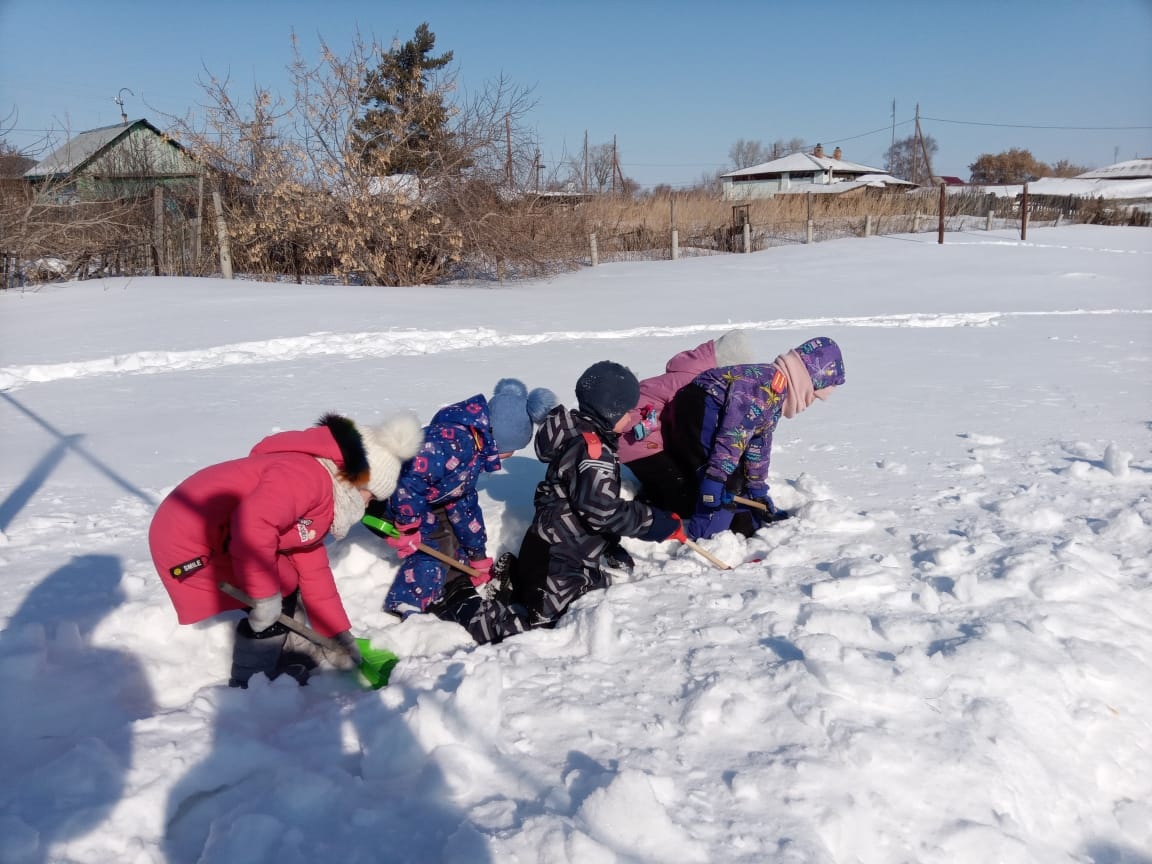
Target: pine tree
[(404, 128)]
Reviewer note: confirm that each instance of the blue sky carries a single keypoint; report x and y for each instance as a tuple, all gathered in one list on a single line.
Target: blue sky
[(676, 83)]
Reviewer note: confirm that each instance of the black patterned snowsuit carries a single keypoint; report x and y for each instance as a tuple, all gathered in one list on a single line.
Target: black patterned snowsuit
[(579, 511)]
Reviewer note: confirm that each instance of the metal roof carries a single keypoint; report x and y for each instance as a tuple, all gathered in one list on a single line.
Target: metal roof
[(803, 162), (82, 147), (1133, 169)]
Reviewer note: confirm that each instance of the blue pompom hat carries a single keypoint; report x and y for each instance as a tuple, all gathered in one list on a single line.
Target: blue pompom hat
[(513, 412)]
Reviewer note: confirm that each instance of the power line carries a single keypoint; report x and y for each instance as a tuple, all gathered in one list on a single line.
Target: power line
[(1039, 126), (887, 128)]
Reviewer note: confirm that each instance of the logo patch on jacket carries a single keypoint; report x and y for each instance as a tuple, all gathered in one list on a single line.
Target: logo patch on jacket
[(779, 381), (180, 571), (307, 535)]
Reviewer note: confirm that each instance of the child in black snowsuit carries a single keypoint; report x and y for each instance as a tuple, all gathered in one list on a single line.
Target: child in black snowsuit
[(579, 513)]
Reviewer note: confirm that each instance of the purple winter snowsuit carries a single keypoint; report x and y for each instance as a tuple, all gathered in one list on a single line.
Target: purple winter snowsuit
[(736, 411), (742, 410)]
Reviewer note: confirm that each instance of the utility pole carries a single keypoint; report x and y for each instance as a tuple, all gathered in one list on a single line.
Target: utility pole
[(916, 144), (919, 142), (892, 146), (508, 132), (614, 164), (619, 170), (923, 146), (585, 161)]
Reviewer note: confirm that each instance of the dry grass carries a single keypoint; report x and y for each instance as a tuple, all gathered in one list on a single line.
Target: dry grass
[(497, 238)]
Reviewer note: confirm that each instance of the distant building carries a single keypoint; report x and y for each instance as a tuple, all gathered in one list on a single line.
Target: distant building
[(805, 172), (1129, 182), (113, 162), (1133, 169)]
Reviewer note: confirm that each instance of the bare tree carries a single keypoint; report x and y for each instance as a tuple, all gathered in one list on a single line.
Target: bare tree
[(745, 154), (903, 158), (303, 198), (781, 148), (1067, 168), (13, 162)]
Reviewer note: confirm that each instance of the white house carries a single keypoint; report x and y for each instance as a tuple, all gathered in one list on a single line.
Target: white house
[(804, 172)]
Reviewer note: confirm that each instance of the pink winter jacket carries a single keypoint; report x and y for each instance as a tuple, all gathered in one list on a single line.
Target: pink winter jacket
[(658, 392), (260, 523)]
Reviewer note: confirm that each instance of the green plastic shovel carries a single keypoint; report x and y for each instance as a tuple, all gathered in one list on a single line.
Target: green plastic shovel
[(376, 664), (391, 530)]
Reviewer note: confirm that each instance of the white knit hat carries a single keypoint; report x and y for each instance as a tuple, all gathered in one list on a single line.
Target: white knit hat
[(732, 349), (387, 447)]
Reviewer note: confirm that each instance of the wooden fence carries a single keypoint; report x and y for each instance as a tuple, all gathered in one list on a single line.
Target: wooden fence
[(927, 210)]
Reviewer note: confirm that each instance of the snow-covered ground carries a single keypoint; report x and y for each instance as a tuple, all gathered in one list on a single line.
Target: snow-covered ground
[(945, 657)]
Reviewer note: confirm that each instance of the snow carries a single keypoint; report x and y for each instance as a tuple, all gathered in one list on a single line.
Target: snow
[(1112, 188), (945, 656), (1108, 188), (801, 162), (1132, 168)]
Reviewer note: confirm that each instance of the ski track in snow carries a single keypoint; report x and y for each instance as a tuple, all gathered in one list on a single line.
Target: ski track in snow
[(379, 344)]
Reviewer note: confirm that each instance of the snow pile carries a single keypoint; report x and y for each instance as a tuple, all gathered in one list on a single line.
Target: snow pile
[(945, 655)]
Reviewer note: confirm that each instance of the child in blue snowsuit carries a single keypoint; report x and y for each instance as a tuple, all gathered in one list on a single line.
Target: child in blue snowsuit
[(435, 502)]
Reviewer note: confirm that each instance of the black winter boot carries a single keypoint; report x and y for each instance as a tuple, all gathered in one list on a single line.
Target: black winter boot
[(255, 652), (503, 572), (505, 567)]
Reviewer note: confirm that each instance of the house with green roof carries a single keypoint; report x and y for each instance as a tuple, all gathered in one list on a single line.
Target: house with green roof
[(119, 161)]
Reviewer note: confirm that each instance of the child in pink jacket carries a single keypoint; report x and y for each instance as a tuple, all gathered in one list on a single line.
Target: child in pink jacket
[(259, 524)]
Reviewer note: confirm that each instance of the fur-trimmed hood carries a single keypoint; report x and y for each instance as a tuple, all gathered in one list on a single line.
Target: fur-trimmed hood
[(367, 456)]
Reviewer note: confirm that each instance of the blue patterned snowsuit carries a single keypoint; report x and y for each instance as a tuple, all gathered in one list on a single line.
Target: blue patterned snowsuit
[(440, 482)]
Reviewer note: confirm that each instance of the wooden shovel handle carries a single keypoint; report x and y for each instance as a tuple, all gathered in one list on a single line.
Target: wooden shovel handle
[(383, 525), (291, 623), (748, 502), (447, 559), (700, 550)]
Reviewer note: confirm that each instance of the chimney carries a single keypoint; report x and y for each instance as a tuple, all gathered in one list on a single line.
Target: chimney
[(819, 151), (836, 154)]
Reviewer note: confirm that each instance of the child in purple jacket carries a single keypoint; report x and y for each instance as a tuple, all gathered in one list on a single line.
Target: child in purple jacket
[(642, 444), (718, 430)]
